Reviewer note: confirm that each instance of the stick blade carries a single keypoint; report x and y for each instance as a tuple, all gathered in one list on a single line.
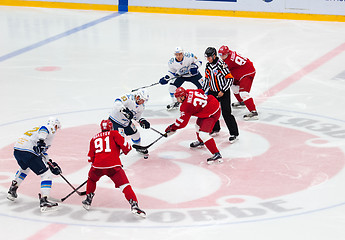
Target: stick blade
[(139, 147)]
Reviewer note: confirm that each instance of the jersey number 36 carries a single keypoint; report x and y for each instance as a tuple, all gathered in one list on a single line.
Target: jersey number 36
[(200, 99)]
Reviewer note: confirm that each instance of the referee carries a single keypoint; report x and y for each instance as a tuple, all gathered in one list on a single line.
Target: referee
[(218, 80)]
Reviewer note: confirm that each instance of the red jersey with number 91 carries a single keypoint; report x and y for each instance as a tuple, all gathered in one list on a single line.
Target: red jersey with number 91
[(105, 149), (196, 104), (239, 66)]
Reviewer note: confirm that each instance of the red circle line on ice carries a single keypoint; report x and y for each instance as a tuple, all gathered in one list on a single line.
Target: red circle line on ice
[(277, 162)]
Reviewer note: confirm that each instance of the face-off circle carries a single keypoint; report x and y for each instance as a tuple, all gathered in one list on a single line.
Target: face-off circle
[(277, 165)]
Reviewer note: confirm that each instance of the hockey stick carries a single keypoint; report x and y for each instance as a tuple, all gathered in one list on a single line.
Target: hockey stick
[(162, 134), (146, 147), (153, 84), (75, 190)]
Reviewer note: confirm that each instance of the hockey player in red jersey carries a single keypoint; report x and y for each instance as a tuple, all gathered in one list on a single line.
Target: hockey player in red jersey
[(243, 71), (207, 110), (104, 157)]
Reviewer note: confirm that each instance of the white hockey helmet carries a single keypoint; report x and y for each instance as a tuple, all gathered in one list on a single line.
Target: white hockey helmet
[(54, 124), (142, 94), (178, 50)]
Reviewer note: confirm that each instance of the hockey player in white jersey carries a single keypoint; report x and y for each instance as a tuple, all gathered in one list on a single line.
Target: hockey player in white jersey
[(183, 67), (30, 153), (127, 108)]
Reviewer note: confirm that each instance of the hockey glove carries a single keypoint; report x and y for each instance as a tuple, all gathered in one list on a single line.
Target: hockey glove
[(164, 80), (193, 69), (144, 123), (54, 167), (170, 130), (127, 113), (40, 148)]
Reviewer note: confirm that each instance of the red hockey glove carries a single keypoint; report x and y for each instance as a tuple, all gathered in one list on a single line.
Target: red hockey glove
[(170, 130)]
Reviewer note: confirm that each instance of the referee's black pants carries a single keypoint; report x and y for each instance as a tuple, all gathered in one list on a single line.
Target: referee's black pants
[(225, 105)]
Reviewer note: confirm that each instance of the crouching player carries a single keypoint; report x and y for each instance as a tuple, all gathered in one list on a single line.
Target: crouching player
[(104, 155), (30, 153), (207, 109)]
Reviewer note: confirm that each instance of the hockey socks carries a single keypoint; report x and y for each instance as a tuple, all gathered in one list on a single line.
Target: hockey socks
[(211, 146), (129, 194), (250, 104)]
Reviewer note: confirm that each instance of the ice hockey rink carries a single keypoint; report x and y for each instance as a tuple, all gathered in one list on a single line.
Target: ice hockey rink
[(284, 179)]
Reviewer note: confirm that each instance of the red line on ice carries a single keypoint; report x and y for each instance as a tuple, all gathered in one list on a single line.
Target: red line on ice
[(300, 74)]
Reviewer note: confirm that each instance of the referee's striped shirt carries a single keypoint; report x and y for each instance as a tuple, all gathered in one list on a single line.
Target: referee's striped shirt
[(217, 76)]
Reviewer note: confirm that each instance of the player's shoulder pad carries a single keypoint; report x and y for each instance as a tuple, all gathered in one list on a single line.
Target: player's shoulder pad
[(188, 54), (44, 129), (116, 133), (171, 61), (123, 98)]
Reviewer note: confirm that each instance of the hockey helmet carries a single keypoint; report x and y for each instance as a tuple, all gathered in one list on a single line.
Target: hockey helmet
[(142, 94), (180, 92), (223, 50), (106, 125), (54, 124), (210, 51), (178, 50)]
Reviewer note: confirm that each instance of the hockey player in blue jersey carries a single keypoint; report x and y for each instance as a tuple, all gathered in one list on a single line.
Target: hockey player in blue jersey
[(183, 67), (30, 153)]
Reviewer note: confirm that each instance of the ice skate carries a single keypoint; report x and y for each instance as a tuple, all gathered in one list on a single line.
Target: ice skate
[(238, 105), (47, 206), (233, 138), (216, 158), (196, 144), (253, 115), (172, 106), (87, 202), (143, 152), (12, 192), (136, 210)]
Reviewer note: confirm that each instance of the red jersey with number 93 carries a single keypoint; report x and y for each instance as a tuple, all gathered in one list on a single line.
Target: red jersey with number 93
[(196, 104), (105, 149)]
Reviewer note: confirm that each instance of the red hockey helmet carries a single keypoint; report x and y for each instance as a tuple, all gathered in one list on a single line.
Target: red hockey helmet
[(180, 92), (223, 50), (106, 125)]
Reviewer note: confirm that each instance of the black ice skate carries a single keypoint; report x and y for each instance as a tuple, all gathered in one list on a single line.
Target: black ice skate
[(253, 115), (172, 106), (12, 192), (233, 138), (87, 202), (196, 144), (136, 210), (216, 158), (238, 105), (45, 205)]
